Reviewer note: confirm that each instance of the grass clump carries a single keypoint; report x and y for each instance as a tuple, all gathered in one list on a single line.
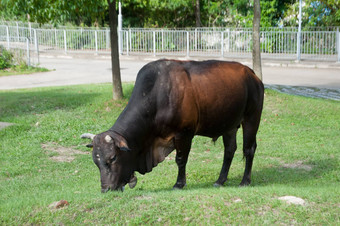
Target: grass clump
[(15, 64), (6, 58), (297, 155)]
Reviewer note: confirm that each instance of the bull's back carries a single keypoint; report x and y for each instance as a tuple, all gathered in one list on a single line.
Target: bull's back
[(208, 97), (223, 93)]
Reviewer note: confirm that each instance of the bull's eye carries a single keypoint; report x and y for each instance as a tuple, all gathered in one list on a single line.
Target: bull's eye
[(112, 159)]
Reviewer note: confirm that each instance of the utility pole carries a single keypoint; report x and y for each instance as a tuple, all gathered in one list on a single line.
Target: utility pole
[(120, 28), (299, 34), (257, 67)]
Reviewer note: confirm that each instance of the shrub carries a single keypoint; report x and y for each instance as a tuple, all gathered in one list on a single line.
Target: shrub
[(6, 58)]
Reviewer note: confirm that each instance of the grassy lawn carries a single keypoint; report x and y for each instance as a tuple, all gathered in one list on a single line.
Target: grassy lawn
[(20, 71), (43, 160)]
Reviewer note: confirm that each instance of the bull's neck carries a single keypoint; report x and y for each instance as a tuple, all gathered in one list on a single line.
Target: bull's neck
[(134, 125)]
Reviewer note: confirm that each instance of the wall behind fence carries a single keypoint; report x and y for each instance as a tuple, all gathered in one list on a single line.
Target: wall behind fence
[(276, 43)]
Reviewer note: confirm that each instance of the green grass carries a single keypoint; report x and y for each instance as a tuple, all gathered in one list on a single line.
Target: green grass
[(19, 70), (298, 155)]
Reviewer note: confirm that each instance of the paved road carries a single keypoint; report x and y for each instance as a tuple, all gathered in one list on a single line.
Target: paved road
[(71, 72), (86, 71)]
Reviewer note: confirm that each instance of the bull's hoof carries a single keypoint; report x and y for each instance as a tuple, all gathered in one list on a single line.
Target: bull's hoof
[(179, 186), (218, 185), (245, 183)]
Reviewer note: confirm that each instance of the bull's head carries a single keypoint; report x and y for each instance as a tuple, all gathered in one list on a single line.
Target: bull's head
[(113, 158)]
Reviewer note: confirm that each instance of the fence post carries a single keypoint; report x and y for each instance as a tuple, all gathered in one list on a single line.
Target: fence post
[(298, 50), (130, 38), (28, 52), (65, 42), (222, 42), (154, 43), (36, 44), (56, 37), (18, 30), (120, 42), (228, 47), (338, 43), (127, 42), (96, 41), (35, 40), (107, 38), (162, 41), (188, 47), (7, 32), (30, 28), (195, 38)]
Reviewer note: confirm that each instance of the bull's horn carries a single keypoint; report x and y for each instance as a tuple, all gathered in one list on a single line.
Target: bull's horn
[(108, 139), (88, 136)]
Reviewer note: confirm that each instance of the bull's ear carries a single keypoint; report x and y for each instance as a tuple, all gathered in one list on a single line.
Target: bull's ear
[(89, 145), (126, 149), (122, 144)]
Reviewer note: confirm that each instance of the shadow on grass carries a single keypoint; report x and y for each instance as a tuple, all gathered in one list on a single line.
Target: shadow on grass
[(32, 101), (37, 102), (295, 175), (276, 175)]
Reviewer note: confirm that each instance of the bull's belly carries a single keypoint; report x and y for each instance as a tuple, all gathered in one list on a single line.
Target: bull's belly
[(218, 128)]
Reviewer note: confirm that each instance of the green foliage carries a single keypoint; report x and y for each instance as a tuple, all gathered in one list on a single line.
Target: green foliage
[(176, 13), (6, 58), (58, 12), (297, 155), (315, 13), (154, 13)]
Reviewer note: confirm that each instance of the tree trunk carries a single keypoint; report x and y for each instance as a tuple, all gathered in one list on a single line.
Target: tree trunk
[(198, 14), (116, 80), (256, 40)]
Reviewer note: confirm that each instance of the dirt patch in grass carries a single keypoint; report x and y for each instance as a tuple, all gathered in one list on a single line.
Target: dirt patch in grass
[(60, 153), (5, 124), (298, 165), (143, 197)]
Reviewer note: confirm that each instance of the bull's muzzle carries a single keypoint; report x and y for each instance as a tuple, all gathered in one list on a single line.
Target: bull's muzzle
[(132, 183)]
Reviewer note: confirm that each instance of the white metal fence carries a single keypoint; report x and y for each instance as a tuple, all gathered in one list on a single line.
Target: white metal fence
[(278, 43), (21, 48)]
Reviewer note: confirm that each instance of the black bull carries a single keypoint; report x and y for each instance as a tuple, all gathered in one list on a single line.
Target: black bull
[(173, 101)]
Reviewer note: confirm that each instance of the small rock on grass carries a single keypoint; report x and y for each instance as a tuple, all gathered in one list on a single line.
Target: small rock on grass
[(293, 200), (58, 204)]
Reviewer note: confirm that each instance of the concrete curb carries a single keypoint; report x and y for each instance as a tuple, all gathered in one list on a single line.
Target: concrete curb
[(246, 61)]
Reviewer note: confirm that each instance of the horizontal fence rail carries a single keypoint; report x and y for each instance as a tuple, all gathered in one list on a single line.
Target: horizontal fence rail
[(276, 43)]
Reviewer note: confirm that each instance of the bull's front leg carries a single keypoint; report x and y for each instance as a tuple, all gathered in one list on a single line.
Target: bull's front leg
[(182, 145)]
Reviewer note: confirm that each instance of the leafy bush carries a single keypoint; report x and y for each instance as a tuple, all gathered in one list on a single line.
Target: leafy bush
[(6, 58)]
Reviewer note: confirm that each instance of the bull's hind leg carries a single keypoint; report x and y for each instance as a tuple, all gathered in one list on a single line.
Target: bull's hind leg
[(182, 145), (229, 141), (250, 127)]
